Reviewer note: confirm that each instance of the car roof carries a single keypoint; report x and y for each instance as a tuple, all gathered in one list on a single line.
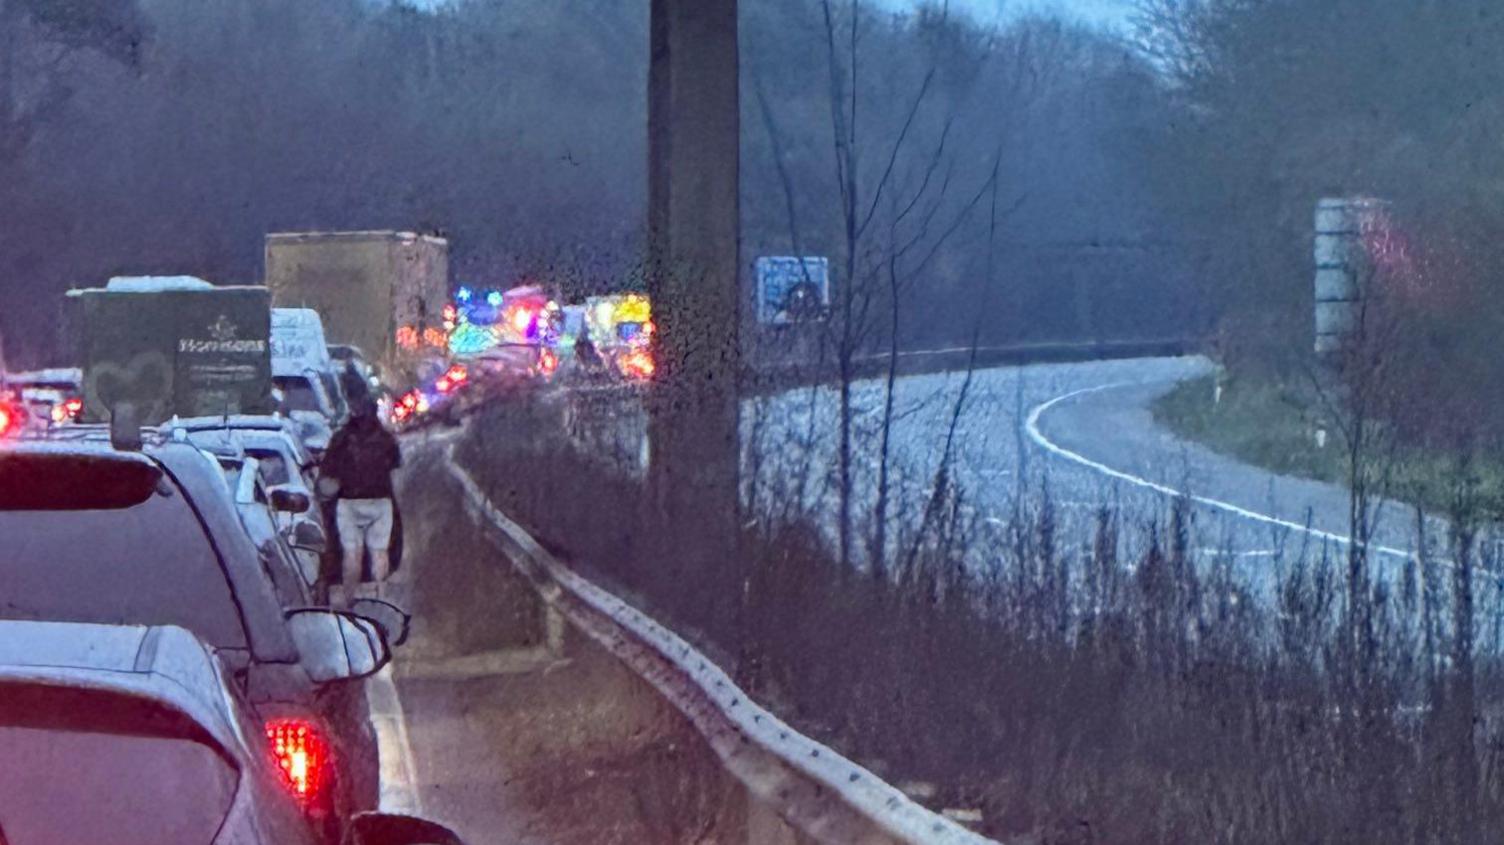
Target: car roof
[(255, 422), (163, 662), (238, 440), (75, 440), (55, 375), (217, 443)]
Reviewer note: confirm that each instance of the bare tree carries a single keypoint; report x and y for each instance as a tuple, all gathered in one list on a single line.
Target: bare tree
[(894, 219)]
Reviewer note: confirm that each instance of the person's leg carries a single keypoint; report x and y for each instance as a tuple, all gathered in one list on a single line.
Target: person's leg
[(379, 538), (352, 541)]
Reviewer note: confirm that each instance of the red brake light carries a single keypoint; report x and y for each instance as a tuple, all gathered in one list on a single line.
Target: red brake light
[(301, 754), (67, 410), (10, 420)]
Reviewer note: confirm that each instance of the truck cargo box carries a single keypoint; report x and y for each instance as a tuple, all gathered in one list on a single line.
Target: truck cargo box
[(381, 291), (174, 348)]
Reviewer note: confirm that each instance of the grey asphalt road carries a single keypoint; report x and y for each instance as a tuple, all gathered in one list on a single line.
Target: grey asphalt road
[(510, 736), (1107, 433), (1084, 432)]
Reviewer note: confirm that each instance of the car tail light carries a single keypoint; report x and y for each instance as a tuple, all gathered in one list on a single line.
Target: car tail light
[(413, 403), (10, 420), (302, 755), (68, 410)]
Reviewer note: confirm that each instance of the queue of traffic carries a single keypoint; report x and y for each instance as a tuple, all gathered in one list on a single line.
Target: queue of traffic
[(170, 615), (507, 342), (170, 658)]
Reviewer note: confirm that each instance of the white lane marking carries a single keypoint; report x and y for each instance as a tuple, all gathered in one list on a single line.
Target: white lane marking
[(399, 774), (1215, 551), (1032, 427)]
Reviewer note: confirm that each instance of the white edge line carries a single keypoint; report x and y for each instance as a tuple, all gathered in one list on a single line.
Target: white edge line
[(399, 789), (1032, 427)]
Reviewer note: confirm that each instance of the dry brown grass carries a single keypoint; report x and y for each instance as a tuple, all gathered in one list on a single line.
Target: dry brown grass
[(1071, 696)]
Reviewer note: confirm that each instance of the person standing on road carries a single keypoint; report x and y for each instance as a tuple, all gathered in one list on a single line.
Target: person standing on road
[(360, 459), (586, 355)]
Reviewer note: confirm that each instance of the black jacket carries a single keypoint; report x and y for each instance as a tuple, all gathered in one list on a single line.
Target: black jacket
[(361, 458)]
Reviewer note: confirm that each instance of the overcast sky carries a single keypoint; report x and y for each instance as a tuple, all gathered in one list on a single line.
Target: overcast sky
[(1109, 12)]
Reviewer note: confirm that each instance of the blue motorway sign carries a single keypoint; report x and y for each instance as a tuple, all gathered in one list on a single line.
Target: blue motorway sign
[(792, 289)]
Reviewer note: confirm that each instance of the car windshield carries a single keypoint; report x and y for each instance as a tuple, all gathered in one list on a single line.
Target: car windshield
[(86, 765), (106, 540), (298, 394)]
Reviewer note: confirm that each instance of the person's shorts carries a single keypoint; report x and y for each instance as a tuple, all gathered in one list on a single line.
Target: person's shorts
[(364, 522)]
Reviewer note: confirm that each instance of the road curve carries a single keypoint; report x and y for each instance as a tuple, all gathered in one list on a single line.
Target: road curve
[(1108, 430)]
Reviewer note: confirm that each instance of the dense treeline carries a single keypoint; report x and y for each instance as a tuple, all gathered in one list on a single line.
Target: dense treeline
[(517, 133), (170, 135), (1281, 102)]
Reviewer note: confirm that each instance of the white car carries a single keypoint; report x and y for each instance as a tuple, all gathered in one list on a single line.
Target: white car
[(285, 462), (135, 735), (265, 513), (309, 429)]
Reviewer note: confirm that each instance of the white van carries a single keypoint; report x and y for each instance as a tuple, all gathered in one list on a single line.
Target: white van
[(302, 370)]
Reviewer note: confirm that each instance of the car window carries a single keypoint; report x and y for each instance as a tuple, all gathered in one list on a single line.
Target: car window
[(273, 467), (108, 541), (106, 767)]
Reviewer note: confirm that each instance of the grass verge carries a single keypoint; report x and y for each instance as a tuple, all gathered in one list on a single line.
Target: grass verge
[(1275, 426), (1258, 422)]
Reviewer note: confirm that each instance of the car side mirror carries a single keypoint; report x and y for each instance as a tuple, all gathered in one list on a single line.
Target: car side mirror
[(306, 535), (389, 829), (392, 620), (337, 646), (284, 500)]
